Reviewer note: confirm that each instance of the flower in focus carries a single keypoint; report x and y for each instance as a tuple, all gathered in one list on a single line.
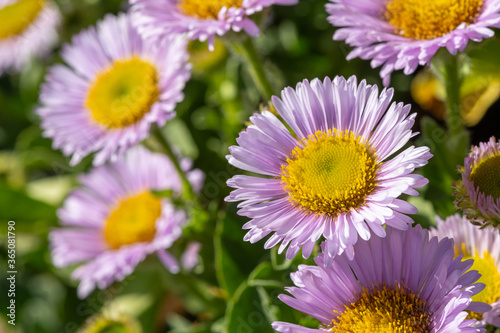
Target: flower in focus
[(335, 175), (199, 19), (405, 282), (478, 194), (115, 88), (402, 34), (114, 221), (28, 28), (482, 245)]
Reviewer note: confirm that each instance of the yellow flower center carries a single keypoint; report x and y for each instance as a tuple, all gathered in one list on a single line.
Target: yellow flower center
[(384, 311), (485, 265), (123, 93), (17, 17), (486, 176), (430, 19), (132, 220), (333, 173), (107, 322), (206, 9)]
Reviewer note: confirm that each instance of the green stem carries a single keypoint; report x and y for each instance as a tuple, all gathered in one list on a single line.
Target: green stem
[(252, 59), (453, 82), (187, 189)]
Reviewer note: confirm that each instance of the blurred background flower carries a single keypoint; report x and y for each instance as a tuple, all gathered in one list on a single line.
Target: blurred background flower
[(199, 19), (115, 220), (32, 36), (109, 322), (116, 88)]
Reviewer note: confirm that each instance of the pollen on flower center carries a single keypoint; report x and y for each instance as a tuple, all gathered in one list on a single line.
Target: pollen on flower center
[(123, 93), (333, 173), (17, 17), (486, 176), (132, 220), (206, 9), (384, 310), (485, 265), (430, 19)]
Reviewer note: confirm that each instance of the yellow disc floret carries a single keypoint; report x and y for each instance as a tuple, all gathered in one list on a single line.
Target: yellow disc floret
[(384, 310), (132, 220), (428, 19), (123, 93), (18, 16), (486, 176), (333, 173), (485, 264), (206, 9)]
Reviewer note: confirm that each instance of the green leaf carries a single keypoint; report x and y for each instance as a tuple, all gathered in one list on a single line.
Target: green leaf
[(17, 206), (484, 59), (235, 259), (178, 134), (51, 190), (441, 171), (245, 312), (426, 215)]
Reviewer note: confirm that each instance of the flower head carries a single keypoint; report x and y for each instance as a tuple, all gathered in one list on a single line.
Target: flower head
[(333, 174), (402, 34), (478, 194), (199, 19), (21, 39), (482, 245), (114, 221), (115, 88), (405, 282), (111, 321)]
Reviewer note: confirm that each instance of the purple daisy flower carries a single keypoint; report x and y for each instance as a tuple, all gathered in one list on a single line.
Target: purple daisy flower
[(405, 282), (115, 88), (201, 20), (21, 39), (402, 34), (334, 175), (114, 221), (478, 194), (482, 245)]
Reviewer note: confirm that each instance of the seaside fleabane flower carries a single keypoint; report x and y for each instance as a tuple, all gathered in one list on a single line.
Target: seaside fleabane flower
[(111, 321), (482, 245), (28, 28), (115, 87), (402, 34), (114, 220), (405, 282), (334, 175), (199, 19), (478, 193)]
